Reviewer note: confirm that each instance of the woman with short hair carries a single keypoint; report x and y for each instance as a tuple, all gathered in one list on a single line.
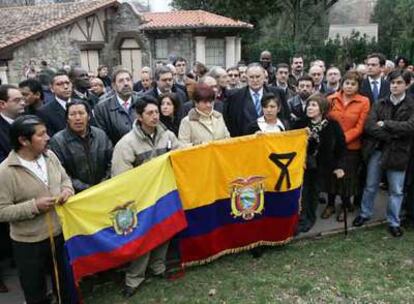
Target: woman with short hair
[(203, 123), (350, 109)]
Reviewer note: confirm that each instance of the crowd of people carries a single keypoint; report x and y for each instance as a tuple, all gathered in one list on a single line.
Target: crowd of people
[(64, 131)]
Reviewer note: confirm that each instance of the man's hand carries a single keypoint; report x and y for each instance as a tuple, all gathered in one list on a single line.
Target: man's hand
[(64, 196), (43, 204), (339, 173)]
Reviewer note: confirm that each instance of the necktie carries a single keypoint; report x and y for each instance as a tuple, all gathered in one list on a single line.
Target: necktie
[(126, 106), (257, 104), (375, 91)]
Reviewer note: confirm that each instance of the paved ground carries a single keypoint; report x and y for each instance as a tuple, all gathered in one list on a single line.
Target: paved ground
[(322, 227)]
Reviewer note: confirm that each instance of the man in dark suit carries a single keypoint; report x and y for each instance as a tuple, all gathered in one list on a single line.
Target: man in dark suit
[(165, 83), (243, 106), (317, 74), (297, 104), (115, 114), (53, 113), (374, 86), (11, 106), (81, 85)]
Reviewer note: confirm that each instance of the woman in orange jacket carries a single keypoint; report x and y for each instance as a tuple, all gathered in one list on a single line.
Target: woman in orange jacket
[(350, 110)]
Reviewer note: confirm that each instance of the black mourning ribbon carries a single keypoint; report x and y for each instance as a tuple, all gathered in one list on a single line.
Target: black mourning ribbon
[(276, 159)]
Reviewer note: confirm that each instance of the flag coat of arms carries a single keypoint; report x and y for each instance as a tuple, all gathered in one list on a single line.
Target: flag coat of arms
[(239, 193), (123, 218)]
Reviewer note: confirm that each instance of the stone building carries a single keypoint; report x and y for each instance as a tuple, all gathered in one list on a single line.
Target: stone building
[(111, 32)]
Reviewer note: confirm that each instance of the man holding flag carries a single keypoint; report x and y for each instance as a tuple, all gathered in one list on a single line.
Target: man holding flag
[(33, 182), (147, 139)]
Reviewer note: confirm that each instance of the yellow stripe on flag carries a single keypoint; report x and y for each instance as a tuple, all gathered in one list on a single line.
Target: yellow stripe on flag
[(90, 211), (201, 180)]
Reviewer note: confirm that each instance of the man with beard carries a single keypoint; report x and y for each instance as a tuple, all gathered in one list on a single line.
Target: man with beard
[(266, 62), (115, 114), (81, 85), (296, 70), (297, 104)]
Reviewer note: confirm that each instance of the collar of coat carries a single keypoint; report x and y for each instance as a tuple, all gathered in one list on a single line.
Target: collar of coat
[(195, 116), (13, 160)]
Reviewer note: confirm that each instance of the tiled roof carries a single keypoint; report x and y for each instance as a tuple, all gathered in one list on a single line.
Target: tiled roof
[(189, 19), (21, 22)]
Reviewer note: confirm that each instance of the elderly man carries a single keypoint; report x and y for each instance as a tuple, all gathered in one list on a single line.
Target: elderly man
[(317, 74), (84, 151), (147, 139), (145, 81), (115, 114), (33, 182), (243, 106), (333, 78), (97, 87)]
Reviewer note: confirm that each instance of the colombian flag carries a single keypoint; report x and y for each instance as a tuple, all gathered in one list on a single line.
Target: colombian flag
[(239, 193), (123, 218)]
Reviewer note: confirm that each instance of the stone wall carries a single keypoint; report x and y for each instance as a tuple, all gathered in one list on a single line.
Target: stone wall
[(123, 23), (55, 48)]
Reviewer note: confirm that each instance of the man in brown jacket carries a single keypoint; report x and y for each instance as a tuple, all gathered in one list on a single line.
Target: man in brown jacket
[(33, 181)]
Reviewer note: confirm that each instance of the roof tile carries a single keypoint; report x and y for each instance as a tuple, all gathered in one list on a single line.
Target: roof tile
[(189, 19), (20, 22)]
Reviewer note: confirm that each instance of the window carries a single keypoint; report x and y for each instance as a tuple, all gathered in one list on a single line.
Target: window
[(161, 48), (215, 52), (90, 60)]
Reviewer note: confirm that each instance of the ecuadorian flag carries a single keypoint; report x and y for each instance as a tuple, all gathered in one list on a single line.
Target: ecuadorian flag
[(123, 218), (239, 193)]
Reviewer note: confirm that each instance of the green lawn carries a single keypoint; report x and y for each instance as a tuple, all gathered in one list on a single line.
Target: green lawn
[(369, 266)]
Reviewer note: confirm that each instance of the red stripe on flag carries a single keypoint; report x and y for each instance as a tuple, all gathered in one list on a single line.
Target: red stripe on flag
[(269, 229), (158, 234)]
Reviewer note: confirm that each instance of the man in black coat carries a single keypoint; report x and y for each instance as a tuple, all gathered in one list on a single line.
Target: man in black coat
[(12, 105), (297, 104), (374, 86), (84, 151), (81, 85), (165, 83), (243, 107), (53, 113), (115, 114), (389, 136)]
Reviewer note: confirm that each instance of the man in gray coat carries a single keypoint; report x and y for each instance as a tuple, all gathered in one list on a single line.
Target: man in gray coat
[(115, 114), (147, 139)]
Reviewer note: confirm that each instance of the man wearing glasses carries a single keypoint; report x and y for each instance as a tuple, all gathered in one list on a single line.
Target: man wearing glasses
[(234, 78), (53, 113)]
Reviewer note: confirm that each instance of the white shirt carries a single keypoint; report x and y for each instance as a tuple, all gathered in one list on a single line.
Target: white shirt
[(270, 128), (122, 102), (62, 102), (37, 167), (6, 118), (395, 101), (371, 83)]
